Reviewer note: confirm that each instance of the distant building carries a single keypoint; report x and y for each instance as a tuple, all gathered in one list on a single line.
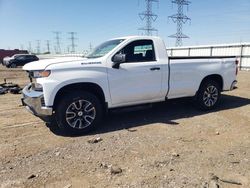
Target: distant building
[(9, 53)]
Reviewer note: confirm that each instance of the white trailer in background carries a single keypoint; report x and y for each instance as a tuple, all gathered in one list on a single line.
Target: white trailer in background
[(240, 50)]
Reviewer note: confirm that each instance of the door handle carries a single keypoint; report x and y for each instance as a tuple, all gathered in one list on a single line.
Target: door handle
[(155, 68)]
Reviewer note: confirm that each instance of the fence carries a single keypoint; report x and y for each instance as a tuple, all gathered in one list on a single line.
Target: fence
[(242, 51)]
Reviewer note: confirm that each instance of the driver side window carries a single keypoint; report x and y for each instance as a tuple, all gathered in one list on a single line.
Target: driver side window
[(20, 58), (139, 51)]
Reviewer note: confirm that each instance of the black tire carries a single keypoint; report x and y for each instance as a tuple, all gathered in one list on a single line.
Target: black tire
[(208, 95), (13, 65), (78, 112)]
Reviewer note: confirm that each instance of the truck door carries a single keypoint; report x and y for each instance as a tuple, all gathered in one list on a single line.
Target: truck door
[(139, 78)]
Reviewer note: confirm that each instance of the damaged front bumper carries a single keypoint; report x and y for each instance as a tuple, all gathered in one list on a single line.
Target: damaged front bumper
[(34, 102)]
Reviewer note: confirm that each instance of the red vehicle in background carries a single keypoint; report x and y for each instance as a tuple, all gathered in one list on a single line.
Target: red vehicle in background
[(9, 53)]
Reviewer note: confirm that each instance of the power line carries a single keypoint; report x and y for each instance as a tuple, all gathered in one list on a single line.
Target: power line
[(73, 39), (58, 42), (180, 18), (149, 17)]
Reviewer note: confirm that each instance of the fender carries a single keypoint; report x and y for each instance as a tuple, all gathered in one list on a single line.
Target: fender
[(51, 92)]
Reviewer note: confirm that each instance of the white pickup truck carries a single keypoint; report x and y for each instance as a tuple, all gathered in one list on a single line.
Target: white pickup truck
[(122, 72)]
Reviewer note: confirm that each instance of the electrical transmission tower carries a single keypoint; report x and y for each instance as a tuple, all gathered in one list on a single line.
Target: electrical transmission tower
[(180, 18), (38, 47), (48, 46), (149, 17), (90, 47), (30, 47), (58, 42), (73, 39)]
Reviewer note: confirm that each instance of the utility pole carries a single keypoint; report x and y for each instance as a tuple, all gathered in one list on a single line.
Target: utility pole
[(73, 39), (48, 46), (180, 18), (38, 47), (148, 16), (58, 42)]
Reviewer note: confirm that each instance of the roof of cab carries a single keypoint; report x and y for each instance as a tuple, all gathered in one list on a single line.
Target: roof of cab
[(135, 37)]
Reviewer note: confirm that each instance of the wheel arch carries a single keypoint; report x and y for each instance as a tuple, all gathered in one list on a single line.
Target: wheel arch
[(84, 86), (215, 77)]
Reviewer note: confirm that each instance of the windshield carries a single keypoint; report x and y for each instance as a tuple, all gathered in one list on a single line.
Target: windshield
[(104, 48), (15, 56)]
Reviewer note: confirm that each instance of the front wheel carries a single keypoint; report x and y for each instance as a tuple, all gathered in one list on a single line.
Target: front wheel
[(208, 95), (78, 112), (13, 65)]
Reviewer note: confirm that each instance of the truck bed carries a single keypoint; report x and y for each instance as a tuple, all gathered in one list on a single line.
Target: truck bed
[(201, 57)]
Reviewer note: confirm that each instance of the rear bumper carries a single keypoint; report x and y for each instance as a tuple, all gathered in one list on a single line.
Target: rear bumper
[(233, 85), (33, 101)]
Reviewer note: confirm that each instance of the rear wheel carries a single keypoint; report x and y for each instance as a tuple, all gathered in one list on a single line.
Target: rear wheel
[(208, 95), (78, 112)]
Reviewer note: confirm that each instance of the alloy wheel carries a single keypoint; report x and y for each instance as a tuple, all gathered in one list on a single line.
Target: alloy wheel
[(210, 96), (80, 114)]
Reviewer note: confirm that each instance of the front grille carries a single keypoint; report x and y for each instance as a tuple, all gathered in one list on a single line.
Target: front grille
[(38, 89), (42, 102)]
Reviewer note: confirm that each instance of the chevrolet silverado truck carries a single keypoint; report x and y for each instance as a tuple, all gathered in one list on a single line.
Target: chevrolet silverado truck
[(122, 72)]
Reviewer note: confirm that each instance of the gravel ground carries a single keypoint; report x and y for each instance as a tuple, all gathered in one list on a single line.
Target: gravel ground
[(170, 145)]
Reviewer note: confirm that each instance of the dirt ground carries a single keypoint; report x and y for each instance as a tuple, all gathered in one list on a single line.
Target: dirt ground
[(170, 145)]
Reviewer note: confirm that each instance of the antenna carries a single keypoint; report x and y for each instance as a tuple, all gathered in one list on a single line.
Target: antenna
[(180, 18), (73, 39), (58, 42), (148, 16)]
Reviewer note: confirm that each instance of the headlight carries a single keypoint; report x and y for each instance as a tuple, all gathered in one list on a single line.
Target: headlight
[(41, 73)]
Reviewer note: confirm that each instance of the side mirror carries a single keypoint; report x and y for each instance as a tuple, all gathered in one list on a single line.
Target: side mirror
[(118, 59)]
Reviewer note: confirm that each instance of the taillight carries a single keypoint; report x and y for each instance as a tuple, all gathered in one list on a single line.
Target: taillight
[(236, 63)]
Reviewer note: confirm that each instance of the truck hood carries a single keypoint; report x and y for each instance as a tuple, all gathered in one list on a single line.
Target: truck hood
[(7, 58), (42, 64)]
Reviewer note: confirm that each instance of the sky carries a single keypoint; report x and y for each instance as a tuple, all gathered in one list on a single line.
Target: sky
[(24, 21)]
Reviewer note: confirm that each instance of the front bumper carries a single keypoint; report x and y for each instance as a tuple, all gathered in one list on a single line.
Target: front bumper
[(33, 101)]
